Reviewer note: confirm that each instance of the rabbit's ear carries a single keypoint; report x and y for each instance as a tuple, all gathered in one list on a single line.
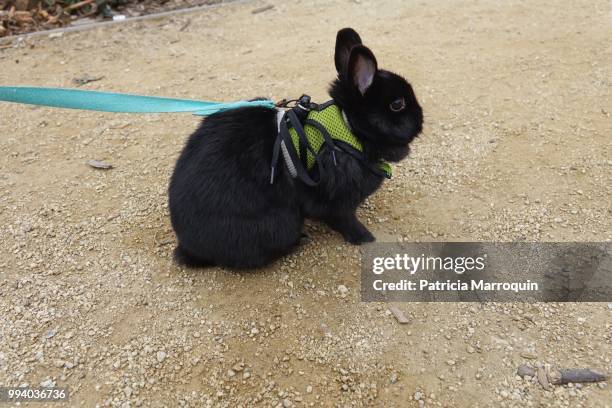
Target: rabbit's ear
[(346, 39), (362, 68)]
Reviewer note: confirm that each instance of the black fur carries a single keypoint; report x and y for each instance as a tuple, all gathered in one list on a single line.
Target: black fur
[(223, 208)]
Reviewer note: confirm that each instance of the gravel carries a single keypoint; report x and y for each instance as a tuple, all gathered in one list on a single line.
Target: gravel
[(86, 254)]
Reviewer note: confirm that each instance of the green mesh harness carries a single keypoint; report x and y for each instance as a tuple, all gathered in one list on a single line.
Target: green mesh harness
[(324, 126)]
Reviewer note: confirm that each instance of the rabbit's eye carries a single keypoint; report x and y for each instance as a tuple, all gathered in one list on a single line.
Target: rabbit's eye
[(398, 105)]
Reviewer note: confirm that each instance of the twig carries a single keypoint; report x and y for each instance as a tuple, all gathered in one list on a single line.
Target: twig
[(86, 79), (13, 13), (262, 9), (184, 27), (79, 5)]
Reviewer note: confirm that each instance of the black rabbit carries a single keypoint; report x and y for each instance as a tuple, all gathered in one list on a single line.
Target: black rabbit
[(223, 207)]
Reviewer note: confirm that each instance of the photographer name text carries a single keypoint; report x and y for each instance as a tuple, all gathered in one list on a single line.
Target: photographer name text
[(454, 286)]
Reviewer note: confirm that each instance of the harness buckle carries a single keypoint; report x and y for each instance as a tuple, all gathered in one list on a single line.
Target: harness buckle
[(303, 106)]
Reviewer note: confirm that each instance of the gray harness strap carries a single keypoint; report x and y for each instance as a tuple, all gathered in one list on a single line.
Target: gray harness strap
[(288, 162)]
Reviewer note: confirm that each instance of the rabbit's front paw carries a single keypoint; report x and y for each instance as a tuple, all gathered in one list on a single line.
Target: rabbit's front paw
[(359, 235), (351, 229)]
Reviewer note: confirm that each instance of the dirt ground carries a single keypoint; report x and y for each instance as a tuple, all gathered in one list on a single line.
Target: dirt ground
[(517, 146)]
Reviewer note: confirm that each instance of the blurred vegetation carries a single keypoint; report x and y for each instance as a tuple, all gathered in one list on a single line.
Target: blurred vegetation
[(17, 16), (23, 16)]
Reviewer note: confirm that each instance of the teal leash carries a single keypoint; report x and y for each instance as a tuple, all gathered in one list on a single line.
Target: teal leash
[(118, 102)]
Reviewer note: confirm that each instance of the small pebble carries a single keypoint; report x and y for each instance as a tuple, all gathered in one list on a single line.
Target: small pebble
[(161, 356), (48, 383)]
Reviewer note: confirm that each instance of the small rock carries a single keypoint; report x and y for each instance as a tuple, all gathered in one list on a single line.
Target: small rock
[(342, 290), (399, 315), (309, 389), (50, 334), (97, 164), (287, 403), (161, 356), (526, 371), (48, 383)]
